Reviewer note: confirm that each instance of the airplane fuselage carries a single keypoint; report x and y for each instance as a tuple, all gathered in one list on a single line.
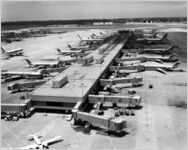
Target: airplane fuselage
[(37, 140), (13, 52)]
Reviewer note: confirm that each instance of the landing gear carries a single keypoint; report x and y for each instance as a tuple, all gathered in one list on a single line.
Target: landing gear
[(87, 128)]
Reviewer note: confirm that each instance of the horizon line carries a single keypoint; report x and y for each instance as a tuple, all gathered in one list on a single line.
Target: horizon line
[(93, 19)]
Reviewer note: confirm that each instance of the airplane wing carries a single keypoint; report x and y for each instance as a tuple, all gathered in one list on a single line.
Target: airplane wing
[(5, 56), (15, 50), (53, 140), (160, 70), (32, 146), (158, 60)]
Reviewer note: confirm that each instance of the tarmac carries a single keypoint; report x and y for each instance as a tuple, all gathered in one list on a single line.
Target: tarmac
[(160, 124)]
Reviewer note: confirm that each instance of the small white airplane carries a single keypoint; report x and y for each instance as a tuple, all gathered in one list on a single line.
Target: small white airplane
[(13, 52), (41, 144)]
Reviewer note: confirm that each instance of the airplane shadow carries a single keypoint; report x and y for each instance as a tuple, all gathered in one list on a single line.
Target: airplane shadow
[(135, 108), (113, 133), (80, 129), (101, 132), (56, 142), (119, 107)]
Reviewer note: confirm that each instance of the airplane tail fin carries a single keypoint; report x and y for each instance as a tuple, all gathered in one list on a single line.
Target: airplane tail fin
[(155, 34), (59, 51), (31, 136), (79, 36), (28, 61), (3, 50), (171, 48), (92, 36), (158, 60), (172, 57), (69, 46), (176, 64), (164, 36)]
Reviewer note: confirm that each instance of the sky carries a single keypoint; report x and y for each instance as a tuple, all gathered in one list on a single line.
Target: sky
[(68, 10)]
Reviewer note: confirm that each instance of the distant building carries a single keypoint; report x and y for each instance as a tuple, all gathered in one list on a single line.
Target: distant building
[(70, 25), (102, 23), (141, 22)]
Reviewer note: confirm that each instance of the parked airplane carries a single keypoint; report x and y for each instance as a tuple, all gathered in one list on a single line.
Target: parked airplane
[(156, 40), (77, 48), (90, 41), (148, 57), (41, 144), (72, 53), (13, 52), (73, 48), (153, 66), (94, 36), (31, 74), (44, 63), (160, 51)]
